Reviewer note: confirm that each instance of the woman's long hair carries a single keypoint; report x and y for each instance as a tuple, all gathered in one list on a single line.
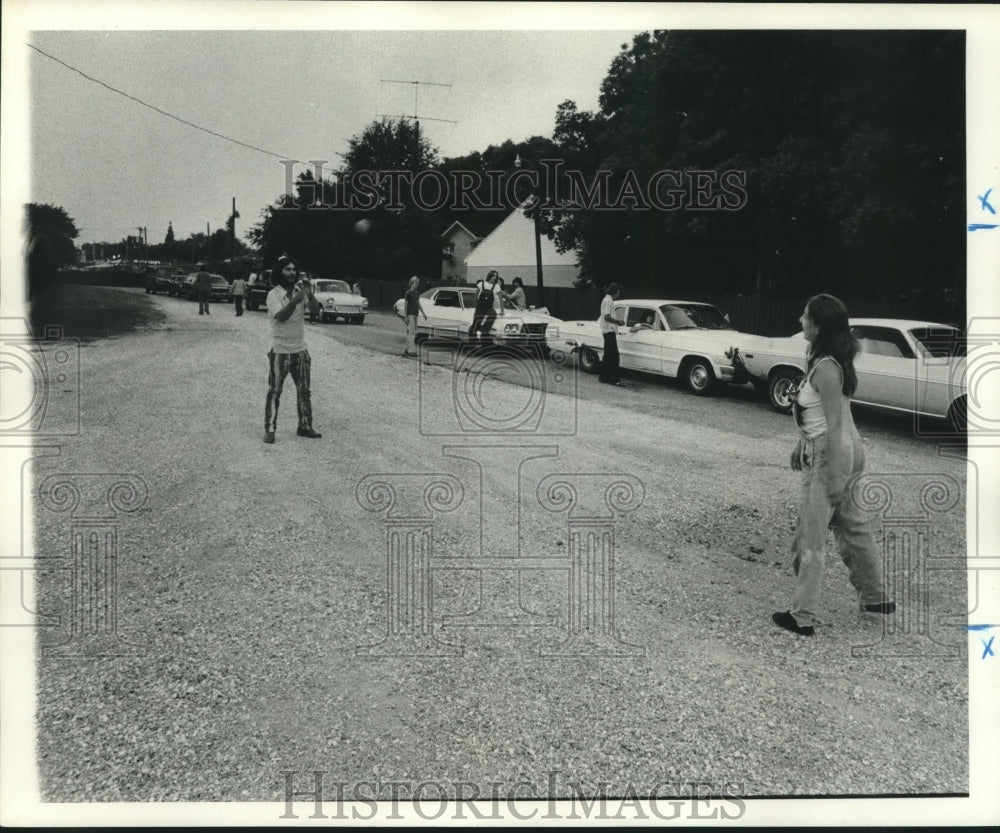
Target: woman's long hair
[(833, 337)]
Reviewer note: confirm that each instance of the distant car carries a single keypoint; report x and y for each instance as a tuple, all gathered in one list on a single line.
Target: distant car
[(337, 301), (161, 279), (219, 290), (687, 340), (450, 310), (903, 365)]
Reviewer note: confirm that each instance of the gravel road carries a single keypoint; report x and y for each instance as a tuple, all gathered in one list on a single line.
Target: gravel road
[(251, 576)]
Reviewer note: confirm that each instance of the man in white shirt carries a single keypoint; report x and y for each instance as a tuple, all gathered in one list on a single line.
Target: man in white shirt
[(237, 290), (609, 329), (288, 354)]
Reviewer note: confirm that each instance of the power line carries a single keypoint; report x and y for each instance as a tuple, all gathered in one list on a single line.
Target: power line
[(157, 109)]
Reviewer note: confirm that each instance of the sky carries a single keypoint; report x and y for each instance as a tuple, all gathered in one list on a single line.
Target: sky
[(297, 80), (115, 164)]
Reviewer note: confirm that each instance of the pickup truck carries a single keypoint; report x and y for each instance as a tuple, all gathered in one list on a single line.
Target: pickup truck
[(257, 288)]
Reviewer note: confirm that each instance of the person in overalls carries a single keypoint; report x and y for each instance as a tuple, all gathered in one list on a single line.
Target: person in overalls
[(485, 313), (830, 456)]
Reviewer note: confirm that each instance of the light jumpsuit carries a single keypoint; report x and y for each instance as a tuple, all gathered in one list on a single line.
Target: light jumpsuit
[(817, 511)]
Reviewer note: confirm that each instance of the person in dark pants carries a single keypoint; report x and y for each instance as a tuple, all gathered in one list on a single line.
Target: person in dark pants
[(204, 292), (236, 291), (609, 329), (486, 301)]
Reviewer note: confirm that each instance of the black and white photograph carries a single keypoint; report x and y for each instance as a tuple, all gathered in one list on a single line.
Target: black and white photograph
[(463, 414)]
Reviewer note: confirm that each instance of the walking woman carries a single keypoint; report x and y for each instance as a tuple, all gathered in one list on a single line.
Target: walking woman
[(829, 454)]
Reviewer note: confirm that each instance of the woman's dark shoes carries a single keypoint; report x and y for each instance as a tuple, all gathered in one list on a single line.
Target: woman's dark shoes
[(269, 436), (881, 607), (308, 432), (787, 621)]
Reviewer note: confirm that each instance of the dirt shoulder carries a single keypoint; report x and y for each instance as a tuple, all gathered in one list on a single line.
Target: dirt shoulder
[(252, 575)]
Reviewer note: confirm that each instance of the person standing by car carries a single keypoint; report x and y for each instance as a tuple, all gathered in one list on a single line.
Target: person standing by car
[(830, 456), (204, 287), (288, 353), (237, 290), (609, 374), (411, 309), (486, 313)]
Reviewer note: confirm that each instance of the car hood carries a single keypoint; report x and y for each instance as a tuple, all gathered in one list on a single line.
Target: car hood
[(339, 297)]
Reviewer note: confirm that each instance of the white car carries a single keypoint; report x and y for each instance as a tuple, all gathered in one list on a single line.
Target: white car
[(450, 310), (337, 301), (679, 339), (903, 365)]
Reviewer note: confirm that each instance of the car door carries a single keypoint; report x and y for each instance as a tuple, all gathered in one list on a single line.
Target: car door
[(887, 368), (642, 349), (676, 340), (443, 314)]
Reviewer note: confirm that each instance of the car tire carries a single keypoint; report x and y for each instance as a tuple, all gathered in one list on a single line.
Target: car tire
[(958, 416), (781, 382), (698, 376), (590, 362), (359, 319)]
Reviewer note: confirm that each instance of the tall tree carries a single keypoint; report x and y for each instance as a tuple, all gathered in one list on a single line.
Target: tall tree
[(321, 223), (50, 234), (850, 144)]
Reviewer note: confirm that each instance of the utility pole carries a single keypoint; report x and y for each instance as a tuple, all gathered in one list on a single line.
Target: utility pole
[(232, 234)]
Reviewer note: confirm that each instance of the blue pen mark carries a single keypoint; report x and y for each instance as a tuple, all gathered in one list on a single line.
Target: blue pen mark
[(979, 627), (987, 647), (979, 226), (984, 201)]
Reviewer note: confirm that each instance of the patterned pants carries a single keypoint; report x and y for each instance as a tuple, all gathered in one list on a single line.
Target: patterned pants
[(281, 365)]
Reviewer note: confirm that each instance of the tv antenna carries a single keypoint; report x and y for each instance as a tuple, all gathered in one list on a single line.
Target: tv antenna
[(416, 95)]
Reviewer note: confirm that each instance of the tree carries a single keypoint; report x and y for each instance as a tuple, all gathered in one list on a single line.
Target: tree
[(850, 144), (318, 224), (50, 233)]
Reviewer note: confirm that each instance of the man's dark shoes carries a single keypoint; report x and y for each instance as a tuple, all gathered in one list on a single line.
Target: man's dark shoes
[(308, 432), (269, 436), (787, 621), (881, 607)]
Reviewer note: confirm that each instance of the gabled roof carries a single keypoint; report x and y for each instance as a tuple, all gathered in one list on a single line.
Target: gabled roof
[(512, 243), (447, 232)]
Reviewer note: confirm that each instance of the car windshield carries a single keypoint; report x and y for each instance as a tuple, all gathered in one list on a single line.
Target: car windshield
[(940, 342), (331, 286), (694, 317), (218, 280)]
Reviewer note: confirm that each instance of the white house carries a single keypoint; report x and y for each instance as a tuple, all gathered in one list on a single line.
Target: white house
[(510, 249), (459, 242)]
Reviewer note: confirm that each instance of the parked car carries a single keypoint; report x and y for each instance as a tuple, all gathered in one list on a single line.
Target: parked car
[(336, 301), (219, 290), (161, 278), (679, 339), (450, 310), (916, 367)]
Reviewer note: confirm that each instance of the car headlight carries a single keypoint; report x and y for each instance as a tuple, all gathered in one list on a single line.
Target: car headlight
[(511, 329), (364, 303), (329, 302)]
